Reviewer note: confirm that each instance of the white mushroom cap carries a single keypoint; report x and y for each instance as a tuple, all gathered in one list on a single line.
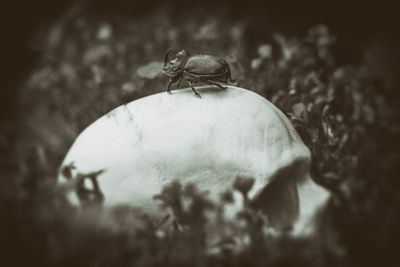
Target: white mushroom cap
[(149, 142)]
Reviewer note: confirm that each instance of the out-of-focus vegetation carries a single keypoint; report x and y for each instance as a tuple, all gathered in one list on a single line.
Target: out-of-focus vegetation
[(92, 62)]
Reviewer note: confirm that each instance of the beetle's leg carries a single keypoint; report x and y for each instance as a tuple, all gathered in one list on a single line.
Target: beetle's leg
[(194, 90), (169, 86), (170, 82), (217, 84)]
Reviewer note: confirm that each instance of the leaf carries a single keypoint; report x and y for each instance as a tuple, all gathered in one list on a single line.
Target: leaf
[(300, 110), (151, 70), (243, 184), (332, 177)]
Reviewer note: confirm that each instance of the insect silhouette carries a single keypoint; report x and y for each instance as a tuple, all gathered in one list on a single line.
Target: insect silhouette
[(196, 68)]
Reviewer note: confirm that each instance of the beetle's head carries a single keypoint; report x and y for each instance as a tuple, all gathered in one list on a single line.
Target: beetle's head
[(173, 67)]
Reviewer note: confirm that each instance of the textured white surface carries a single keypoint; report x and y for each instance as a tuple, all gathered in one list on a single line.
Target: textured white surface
[(154, 140)]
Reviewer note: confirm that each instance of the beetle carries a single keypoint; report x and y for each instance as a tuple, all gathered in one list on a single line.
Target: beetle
[(196, 68)]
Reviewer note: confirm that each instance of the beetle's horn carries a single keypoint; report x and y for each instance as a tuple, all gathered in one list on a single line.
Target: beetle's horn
[(166, 57)]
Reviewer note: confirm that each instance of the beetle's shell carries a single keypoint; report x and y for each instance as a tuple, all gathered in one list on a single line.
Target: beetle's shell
[(205, 65), (148, 143)]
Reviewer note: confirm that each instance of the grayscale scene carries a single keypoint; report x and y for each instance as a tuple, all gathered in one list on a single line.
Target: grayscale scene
[(199, 133)]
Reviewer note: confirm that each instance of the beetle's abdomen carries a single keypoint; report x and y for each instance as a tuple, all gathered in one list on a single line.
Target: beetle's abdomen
[(205, 65)]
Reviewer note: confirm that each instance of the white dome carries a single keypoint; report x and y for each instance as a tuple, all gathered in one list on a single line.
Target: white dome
[(152, 141)]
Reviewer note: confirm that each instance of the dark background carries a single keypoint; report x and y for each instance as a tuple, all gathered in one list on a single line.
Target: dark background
[(355, 22)]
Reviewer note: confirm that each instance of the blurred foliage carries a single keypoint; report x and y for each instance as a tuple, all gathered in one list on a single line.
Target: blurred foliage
[(92, 62)]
